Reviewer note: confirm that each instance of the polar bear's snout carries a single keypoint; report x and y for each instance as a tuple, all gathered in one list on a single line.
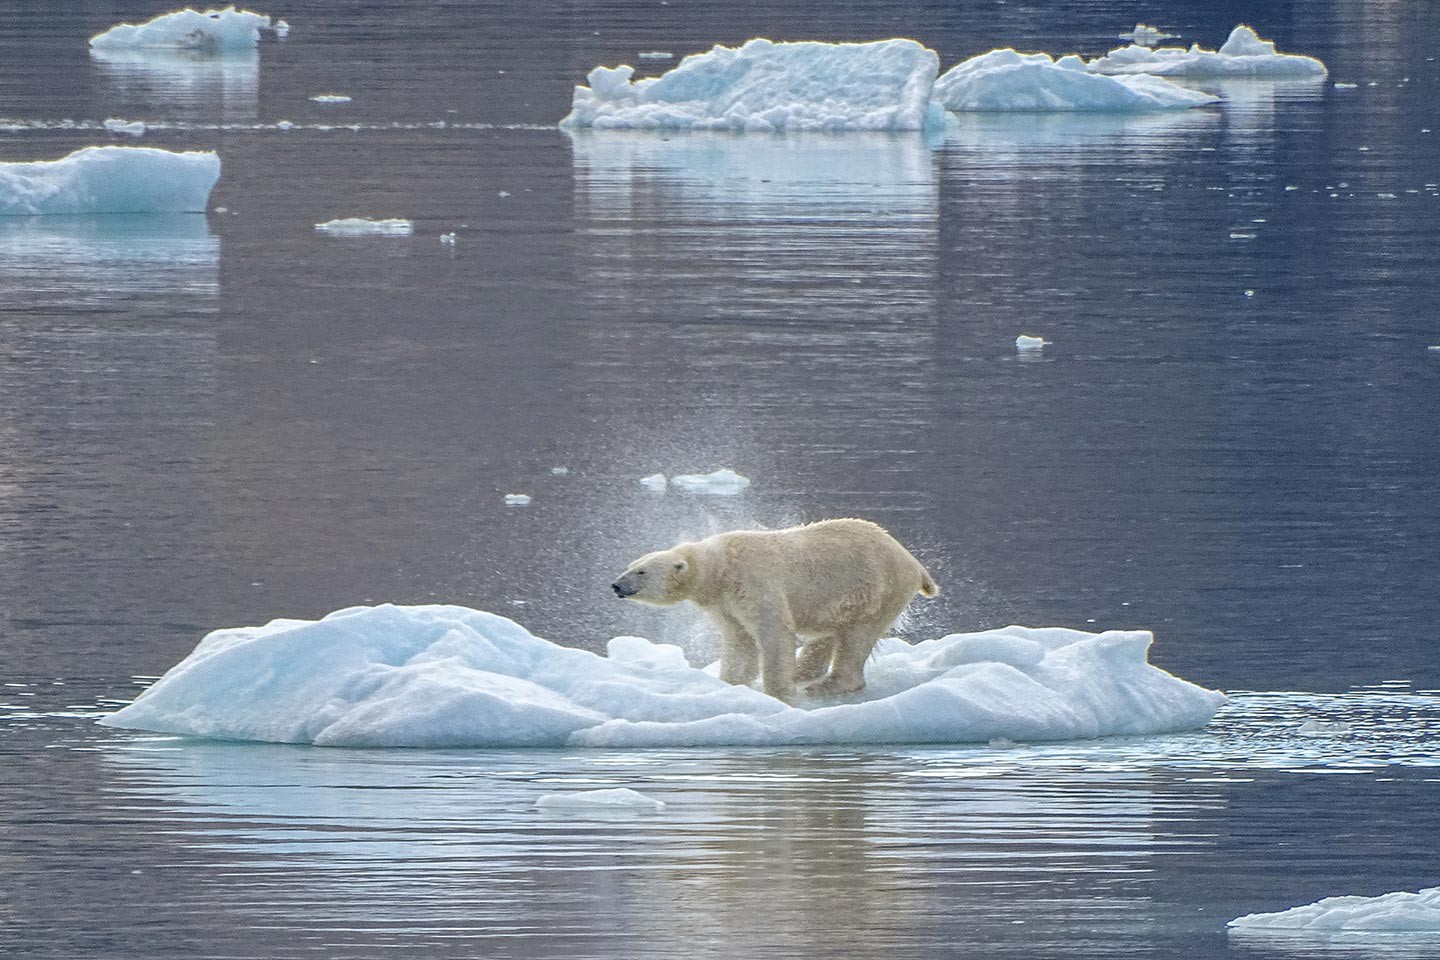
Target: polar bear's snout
[(622, 589)]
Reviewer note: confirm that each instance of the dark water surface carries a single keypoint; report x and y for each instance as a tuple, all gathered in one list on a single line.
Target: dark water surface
[(215, 420)]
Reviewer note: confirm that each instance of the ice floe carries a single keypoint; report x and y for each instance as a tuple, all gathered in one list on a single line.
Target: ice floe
[(1146, 35), (655, 481), (132, 128), (1004, 80), (1392, 912), (767, 86), (1026, 342), (364, 227), (110, 180), (209, 32), (615, 798), (1243, 54), (723, 482), (517, 499), (447, 676), (330, 98)]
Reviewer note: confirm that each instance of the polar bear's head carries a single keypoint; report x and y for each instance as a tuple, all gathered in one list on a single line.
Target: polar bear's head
[(659, 578)]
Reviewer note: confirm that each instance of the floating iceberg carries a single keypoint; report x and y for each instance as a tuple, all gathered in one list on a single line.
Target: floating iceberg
[(724, 482), (110, 180), (447, 676), (330, 98), (517, 499), (1393, 912), (364, 227), (617, 798), (1146, 35), (132, 128), (767, 86), (1004, 80), (1026, 342), (211, 32), (1243, 55)]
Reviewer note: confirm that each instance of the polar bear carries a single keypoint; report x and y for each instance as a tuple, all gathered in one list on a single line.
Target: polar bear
[(840, 584)]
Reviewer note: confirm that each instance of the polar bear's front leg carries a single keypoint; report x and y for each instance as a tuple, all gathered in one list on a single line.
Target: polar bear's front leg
[(776, 639), (739, 653)]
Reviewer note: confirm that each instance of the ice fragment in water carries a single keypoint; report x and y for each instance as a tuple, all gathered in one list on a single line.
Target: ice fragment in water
[(723, 482), (618, 798), (363, 227)]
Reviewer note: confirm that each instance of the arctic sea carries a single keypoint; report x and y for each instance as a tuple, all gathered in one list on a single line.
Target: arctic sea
[(215, 420)]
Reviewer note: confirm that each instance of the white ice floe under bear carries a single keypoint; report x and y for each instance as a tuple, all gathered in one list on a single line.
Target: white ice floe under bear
[(445, 676)]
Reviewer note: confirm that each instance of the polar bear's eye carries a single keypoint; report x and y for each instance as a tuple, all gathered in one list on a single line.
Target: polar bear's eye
[(639, 573)]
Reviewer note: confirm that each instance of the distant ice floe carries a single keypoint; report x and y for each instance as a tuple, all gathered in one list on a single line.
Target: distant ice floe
[(447, 676), (209, 32), (656, 55), (1146, 35), (1244, 54), (1026, 343), (1325, 728), (517, 499), (723, 483), (768, 86), (330, 98), (364, 227), (1004, 80), (1393, 912), (656, 481), (110, 180), (132, 128), (617, 798)]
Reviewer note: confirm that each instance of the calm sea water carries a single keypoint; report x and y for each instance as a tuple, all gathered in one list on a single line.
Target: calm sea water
[(212, 421)]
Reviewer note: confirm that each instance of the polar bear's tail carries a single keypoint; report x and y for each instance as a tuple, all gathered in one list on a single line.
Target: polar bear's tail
[(928, 586)]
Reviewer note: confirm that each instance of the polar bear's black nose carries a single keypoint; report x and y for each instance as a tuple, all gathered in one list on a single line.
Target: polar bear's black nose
[(619, 590)]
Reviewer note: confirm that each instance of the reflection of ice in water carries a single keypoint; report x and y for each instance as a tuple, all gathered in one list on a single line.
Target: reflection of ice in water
[(227, 85), (1008, 139), (76, 259)]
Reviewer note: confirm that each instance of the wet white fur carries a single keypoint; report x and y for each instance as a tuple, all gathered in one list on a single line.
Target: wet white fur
[(839, 584)]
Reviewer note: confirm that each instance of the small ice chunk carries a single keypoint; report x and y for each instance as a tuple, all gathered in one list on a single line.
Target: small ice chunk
[(1008, 81), (723, 482), (656, 481), (1146, 35), (1435, 347), (1002, 743), (559, 471), (97, 180), (207, 33), (330, 98), (1243, 54), (448, 238), (1026, 342), (1346, 86), (765, 86), (133, 128), (617, 798), (363, 227), (1391, 913), (656, 55), (1324, 728), (516, 499), (281, 28), (284, 125)]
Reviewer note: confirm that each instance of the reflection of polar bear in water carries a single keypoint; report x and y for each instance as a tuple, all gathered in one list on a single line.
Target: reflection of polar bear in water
[(838, 583)]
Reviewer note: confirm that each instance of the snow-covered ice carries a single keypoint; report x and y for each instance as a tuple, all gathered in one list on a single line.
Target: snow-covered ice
[(1027, 342), (210, 32), (656, 481), (1244, 54), (330, 98), (767, 86), (110, 180), (132, 128), (1004, 80), (364, 227), (723, 482), (1392, 912), (615, 798), (1146, 35), (516, 499), (447, 676)]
